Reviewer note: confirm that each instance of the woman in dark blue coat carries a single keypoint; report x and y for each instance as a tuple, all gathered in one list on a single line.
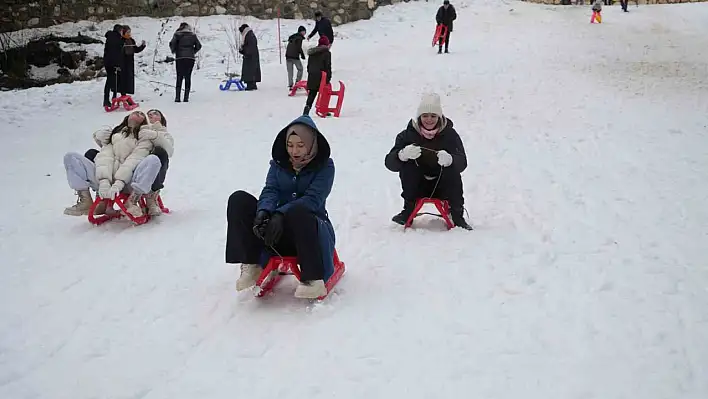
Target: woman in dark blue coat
[(290, 216)]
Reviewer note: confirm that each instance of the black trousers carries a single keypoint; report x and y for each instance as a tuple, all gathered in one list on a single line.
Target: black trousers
[(160, 152), (415, 185), (624, 4), (110, 86), (299, 236), (447, 40), (184, 73), (311, 96)]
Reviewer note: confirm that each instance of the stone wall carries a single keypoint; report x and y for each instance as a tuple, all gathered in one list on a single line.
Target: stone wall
[(19, 14), (631, 2)]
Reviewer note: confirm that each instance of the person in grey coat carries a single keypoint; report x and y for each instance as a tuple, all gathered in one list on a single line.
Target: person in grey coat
[(184, 45), (251, 68)]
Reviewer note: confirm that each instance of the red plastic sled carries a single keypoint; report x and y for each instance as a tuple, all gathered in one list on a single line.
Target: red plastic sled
[(120, 201), (442, 206), (126, 100), (322, 108), (278, 266), (440, 31), (299, 85)]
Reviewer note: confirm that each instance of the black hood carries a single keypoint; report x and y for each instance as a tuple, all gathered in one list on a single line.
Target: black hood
[(280, 151)]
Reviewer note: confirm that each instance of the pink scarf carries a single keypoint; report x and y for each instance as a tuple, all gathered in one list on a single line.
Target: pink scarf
[(428, 134)]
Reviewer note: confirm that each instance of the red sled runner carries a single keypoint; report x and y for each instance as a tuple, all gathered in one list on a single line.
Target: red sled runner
[(440, 32), (279, 266), (442, 206), (111, 213)]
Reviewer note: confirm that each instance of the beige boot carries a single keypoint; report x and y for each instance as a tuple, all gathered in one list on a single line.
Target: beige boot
[(249, 276), (311, 289), (82, 206), (102, 209), (153, 208), (132, 205)]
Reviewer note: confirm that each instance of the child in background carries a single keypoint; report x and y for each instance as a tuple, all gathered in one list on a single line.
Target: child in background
[(596, 12)]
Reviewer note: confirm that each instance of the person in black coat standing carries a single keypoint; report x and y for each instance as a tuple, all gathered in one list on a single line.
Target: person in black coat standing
[(251, 67), (112, 58), (184, 45), (320, 60), (126, 82), (429, 157), (293, 53), (323, 26), (446, 14)]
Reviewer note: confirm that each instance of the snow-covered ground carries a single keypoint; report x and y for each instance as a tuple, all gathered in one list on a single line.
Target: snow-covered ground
[(586, 276)]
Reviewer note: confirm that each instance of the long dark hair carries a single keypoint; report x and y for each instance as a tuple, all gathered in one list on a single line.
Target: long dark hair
[(127, 130)]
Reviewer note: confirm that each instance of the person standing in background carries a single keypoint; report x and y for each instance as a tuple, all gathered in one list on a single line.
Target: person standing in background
[(323, 26), (126, 82), (251, 67), (446, 14), (293, 53), (184, 45), (112, 58)]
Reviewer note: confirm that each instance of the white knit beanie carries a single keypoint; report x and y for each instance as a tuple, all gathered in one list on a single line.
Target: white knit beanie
[(429, 104)]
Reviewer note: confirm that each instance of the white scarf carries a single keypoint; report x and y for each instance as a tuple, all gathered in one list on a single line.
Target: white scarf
[(243, 37)]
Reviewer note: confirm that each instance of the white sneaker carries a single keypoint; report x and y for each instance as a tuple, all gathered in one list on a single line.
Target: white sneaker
[(311, 289), (249, 276)]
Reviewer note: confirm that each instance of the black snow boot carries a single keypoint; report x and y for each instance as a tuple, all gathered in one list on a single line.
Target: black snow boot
[(458, 219), (403, 216)]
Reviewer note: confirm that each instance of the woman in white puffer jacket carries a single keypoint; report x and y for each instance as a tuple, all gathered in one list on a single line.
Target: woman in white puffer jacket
[(124, 159)]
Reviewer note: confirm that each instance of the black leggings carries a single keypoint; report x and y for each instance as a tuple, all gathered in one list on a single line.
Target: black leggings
[(159, 152), (184, 72)]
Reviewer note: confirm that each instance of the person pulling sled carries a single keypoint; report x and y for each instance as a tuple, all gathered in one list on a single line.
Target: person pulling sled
[(445, 15), (320, 60), (290, 216), (429, 157)]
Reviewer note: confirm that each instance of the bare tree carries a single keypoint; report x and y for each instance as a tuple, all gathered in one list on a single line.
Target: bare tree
[(158, 41), (233, 38)]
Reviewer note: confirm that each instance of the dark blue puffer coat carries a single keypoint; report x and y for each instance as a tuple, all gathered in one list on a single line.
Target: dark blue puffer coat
[(310, 188)]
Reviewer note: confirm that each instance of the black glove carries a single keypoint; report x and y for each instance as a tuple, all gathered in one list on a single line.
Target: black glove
[(260, 222), (274, 229)]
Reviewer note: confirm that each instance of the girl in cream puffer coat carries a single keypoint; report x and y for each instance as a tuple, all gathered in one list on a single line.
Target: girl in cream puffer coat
[(124, 160)]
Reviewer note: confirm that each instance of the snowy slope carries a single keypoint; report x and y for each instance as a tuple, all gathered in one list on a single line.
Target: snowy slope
[(586, 276)]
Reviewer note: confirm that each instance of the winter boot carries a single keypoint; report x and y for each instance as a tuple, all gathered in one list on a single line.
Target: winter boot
[(153, 208), (103, 209), (132, 205), (82, 206), (186, 96), (311, 289), (249, 276), (403, 216), (458, 219)]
